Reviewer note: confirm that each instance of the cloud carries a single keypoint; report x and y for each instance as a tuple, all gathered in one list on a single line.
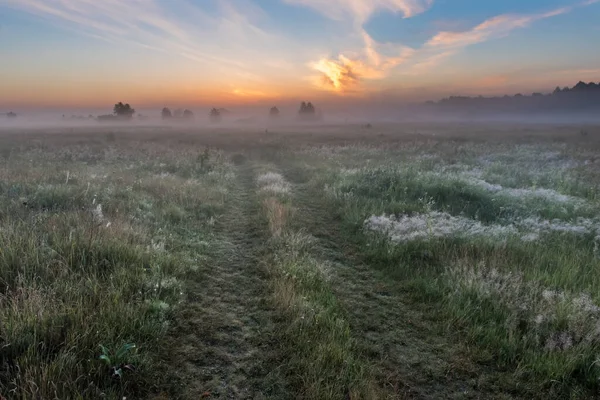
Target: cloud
[(361, 10), (224, 39), (344, 73), (498, 26), (337, 75)]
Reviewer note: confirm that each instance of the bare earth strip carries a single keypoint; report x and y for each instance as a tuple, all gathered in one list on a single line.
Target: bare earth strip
[(223, 345)]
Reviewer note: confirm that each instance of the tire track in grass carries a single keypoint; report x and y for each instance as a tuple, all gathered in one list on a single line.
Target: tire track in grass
[(320, 358), (402, 341), (223, 344)]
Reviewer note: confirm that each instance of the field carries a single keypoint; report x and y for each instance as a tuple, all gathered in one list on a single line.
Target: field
[(413, 261)]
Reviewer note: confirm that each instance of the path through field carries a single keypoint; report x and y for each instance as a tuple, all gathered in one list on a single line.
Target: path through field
[(223, 341)]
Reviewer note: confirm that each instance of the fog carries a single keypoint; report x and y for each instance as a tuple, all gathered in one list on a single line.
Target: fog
[(44, 120), (579, 104)]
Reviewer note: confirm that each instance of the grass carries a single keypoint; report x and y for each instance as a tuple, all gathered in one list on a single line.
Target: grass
[(91, 257), (515, 271), (321, 361), (415, 261)]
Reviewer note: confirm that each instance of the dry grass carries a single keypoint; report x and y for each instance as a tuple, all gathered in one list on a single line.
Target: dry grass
[(277, 215)]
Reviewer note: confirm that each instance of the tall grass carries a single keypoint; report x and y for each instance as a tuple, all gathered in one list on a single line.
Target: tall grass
[(91, 266)]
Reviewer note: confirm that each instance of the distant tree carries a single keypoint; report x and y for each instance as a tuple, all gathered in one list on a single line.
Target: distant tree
[(166, 113), (215, 115), (187, 114), (123, 110), (274, 112), (11, 115), (307, 110), (557, 90)]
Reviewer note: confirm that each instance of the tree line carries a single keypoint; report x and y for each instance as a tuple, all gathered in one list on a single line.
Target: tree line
[(124, 111), (581, 97)]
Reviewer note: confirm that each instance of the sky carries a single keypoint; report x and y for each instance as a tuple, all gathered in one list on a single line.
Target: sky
[(153, 53)]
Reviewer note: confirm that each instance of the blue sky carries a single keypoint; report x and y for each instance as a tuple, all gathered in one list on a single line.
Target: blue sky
[(70, 52)]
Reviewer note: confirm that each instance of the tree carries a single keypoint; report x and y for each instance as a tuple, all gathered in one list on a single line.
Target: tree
[(187, 114), (123, 110), (166, 113), (274, 112), (215, 115), (307, 110), (11, 115)]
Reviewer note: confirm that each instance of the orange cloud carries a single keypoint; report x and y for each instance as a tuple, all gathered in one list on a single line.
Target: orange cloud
[(344, 73), (337, 75)]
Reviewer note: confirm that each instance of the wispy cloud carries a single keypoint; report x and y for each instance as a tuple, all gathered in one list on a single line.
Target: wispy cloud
[(345, 73), (227, 39), (498, 26), (361, 10)]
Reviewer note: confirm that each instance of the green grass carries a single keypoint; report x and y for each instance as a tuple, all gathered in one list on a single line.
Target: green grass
[(491, 291), (162, 289), (78, 282), (321, 360)]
